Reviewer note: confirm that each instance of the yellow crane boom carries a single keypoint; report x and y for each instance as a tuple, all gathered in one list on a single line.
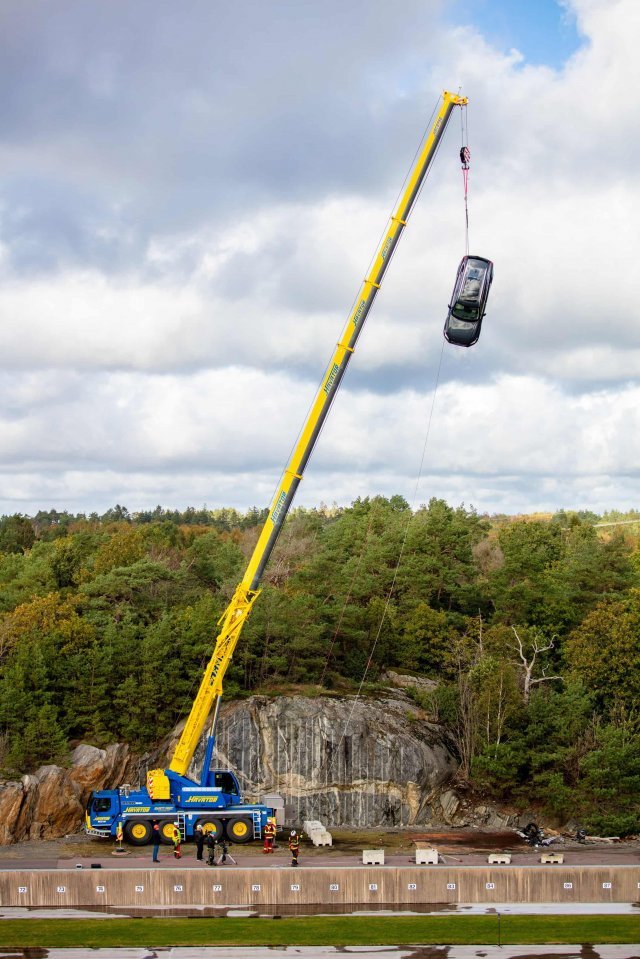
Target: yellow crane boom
[(247, 591)]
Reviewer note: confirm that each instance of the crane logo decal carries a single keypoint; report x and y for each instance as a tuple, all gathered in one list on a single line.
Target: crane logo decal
[(385, 248), (331, 378), (278, 507), (358, 313)]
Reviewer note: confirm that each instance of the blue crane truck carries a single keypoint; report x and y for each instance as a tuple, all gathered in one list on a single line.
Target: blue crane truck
[(217, 806)]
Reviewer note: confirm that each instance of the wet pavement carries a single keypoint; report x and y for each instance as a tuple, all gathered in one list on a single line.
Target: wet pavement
[(441, 909), (335, 952)]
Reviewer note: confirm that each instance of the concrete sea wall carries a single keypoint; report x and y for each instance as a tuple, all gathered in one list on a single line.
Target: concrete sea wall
[(331, 886)]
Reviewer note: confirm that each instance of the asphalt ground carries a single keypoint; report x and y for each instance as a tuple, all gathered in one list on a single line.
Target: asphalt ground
[(335, 952), (456, 847)]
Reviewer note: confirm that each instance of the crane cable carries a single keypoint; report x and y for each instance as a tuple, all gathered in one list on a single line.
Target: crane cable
[(397, 567), (465, 158)]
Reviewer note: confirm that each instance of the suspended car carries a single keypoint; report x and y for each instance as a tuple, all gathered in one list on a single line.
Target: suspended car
[(468, 301)]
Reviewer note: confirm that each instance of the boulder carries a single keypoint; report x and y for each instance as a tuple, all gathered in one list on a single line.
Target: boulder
[(94, 768), (449, 803), (404, 681), (51, 802), (57, 809), (12, 799)]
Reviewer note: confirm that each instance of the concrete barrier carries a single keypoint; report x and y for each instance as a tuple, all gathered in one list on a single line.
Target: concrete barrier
[(549, 857), (341, 886), (373, 857), (320, 837), (310, 825), (499, 859), (317, 833), (426, 857)]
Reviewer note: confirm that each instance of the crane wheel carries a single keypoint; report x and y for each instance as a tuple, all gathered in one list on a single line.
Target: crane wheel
[(137, 832), (211, 825), (240, 830)]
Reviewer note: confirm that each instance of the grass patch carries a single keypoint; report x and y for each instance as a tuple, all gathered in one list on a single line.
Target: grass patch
[(319, 930)]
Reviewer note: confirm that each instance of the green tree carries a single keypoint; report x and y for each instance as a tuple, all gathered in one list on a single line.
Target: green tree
[(425, 636), (518, 587), (16, 534), (604, 651)]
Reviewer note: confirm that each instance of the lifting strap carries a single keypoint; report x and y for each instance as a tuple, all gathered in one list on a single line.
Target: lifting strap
[(465, 159)]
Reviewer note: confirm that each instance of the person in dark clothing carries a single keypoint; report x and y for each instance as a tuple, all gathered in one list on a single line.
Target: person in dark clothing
[(211, 848), (200, 837), (155, 839), (224, 846)]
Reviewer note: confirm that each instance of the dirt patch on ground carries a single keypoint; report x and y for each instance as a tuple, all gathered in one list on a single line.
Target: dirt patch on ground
[(472, 840)]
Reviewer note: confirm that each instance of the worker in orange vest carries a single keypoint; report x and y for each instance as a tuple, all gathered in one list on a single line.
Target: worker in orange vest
[(294, 846), (176, 839), (269, 835)]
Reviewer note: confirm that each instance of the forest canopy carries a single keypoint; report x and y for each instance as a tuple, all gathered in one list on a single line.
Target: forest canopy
[(530, 627)]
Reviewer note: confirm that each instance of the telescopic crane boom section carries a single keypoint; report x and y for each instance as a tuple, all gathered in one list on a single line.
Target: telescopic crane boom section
[(245, 595)]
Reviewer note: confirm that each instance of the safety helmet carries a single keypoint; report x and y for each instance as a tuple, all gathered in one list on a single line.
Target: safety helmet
[(293, 832), (176, 824)]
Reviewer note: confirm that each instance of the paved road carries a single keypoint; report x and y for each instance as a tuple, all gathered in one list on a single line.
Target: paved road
[(467, 909), (331, 952)]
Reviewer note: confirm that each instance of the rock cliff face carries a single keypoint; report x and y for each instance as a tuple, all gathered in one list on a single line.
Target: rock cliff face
[(350, 761), (51, 803), (347, 761)]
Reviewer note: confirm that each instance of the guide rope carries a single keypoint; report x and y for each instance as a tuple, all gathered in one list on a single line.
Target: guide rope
[(399, 561)]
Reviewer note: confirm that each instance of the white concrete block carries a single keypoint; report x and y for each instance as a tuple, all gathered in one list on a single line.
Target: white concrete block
[(549, 857), (426, 857), (321, 838), (373, 857), (310, 824), (499, 859)]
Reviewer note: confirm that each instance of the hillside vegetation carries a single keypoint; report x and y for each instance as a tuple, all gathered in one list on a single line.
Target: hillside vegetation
[(530, 626)]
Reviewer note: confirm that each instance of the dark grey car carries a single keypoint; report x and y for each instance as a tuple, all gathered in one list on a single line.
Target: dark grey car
[(468, 301)]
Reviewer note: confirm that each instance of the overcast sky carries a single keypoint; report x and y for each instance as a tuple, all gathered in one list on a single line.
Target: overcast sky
[(191, 194)]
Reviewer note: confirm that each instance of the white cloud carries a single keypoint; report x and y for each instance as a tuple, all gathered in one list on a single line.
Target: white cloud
[(174, 283)]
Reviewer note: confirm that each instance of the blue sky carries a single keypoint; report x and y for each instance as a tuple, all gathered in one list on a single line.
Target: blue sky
[(190, 196), (544, 31)]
